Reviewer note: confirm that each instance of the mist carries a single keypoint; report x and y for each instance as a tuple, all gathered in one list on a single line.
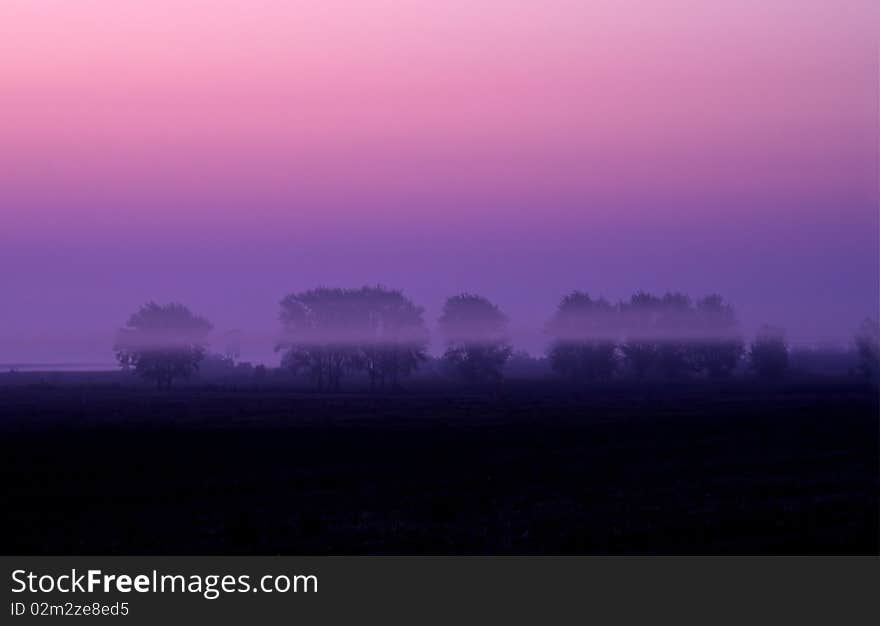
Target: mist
[(90, 328), (64, 300)]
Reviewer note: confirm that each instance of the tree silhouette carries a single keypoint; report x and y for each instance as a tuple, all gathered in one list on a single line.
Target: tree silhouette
[(768, 355), (584, 338), (320, 331), (674, 324), (398, 339), (477, 347), (640, 348), (867, 340), (718, 348), (162, 343), (330, 331)]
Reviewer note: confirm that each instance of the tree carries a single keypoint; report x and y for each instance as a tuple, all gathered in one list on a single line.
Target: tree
[(475, 330), (768, 355), (640, 348), (320, 331), (328, 332), (867, 340), (398, 339), (674, 324), (718, 348), (163, 342), (584, 338)]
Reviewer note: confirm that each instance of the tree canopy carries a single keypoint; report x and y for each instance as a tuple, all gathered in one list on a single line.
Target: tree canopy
[(163, 342), (329, 331), (475, 330)]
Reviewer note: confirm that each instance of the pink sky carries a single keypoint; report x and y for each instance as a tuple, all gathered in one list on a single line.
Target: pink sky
[(417, 142)]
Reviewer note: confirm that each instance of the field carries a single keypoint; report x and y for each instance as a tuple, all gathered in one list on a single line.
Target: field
[(91, 468)]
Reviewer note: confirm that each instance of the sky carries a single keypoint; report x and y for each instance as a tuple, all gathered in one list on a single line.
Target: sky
[(224, 153)]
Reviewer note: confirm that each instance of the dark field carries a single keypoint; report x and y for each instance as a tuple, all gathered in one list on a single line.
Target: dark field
[(701, 469)]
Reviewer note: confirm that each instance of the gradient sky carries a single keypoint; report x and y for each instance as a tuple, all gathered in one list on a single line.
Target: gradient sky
[(224, 153)]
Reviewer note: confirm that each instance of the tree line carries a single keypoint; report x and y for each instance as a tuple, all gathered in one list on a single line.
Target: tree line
[(330, 333)]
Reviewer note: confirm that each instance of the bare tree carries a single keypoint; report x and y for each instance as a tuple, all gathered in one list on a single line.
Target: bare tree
[(475, 332), (162, 342)]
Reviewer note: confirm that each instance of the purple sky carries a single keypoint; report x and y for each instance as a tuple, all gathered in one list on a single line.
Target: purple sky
[(517, 150)]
